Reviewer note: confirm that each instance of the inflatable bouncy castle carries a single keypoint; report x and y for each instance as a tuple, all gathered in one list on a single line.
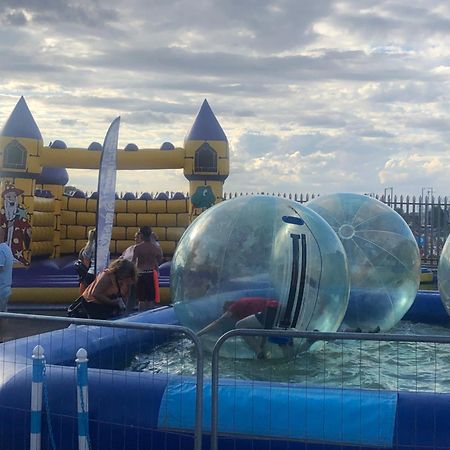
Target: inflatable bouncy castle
[(46, 228)]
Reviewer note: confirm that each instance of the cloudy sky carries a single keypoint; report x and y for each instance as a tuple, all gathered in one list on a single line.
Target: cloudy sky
[(314, 96)]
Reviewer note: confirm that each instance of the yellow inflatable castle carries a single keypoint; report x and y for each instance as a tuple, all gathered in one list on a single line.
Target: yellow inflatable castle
[(46, 228)]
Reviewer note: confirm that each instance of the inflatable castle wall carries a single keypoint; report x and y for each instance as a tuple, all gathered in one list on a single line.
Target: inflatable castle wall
[(38, 220)]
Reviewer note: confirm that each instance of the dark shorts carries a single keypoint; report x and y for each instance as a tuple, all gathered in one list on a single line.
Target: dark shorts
[(145, 287)]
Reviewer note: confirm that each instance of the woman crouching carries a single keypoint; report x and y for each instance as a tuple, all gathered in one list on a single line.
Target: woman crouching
[(107, 295)]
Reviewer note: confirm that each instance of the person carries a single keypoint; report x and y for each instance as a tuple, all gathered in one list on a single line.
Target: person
[(147, 256), (6, 268), (107, 295), (128, 252), (87, 258), (248, 312)]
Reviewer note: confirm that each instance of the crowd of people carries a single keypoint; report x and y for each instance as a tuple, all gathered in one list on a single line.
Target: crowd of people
[(128, 283)]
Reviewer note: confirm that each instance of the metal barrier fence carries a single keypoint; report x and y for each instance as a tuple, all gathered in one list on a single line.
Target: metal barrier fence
[(427, 216), (429, 220), (363, 362), (342, 361), (116, 356)]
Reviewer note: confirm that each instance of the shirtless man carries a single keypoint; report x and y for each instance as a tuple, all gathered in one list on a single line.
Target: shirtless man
[(147, 256)]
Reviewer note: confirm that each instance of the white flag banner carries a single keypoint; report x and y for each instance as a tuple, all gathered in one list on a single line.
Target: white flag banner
[(106, 196)]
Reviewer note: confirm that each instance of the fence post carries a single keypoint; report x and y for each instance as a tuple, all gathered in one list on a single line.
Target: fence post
[(36, 397), (82, 399)]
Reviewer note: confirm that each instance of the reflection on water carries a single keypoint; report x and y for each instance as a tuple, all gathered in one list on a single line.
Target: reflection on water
[(343, 364)]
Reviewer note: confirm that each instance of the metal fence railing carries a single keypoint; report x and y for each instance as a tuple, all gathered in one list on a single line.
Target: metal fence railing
[(427, 216), (111, 348), (429, 219), (362, 373), (342, 367)]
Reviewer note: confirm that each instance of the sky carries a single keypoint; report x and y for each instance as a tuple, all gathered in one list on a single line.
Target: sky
[(314, 96)]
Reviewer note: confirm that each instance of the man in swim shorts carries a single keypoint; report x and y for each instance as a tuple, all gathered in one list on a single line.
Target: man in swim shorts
[(147, 256)]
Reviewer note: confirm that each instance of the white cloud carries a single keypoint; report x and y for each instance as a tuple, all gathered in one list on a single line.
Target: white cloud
[(425, 170), (314, 96)]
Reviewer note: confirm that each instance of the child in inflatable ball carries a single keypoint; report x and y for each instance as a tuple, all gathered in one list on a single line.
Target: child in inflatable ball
[(248, 312)]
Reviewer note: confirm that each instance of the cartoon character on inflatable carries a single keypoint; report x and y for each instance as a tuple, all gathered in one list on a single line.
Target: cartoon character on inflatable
[(203, 198), (15, 224)]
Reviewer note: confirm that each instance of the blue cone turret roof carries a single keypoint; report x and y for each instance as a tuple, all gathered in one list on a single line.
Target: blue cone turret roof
[(21, 123), (53, 175), (206, 127)]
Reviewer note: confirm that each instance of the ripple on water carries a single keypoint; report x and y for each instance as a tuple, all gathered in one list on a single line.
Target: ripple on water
[(343, 364)]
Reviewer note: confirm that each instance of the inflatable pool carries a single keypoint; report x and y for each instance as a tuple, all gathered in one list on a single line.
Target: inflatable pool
[(153, 411)]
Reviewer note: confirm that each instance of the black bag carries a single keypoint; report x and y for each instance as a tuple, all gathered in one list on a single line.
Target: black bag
[(77, 308), (81, 269)]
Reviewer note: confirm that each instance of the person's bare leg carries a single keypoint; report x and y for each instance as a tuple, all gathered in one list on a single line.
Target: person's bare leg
[(254, 342), (131, 303)]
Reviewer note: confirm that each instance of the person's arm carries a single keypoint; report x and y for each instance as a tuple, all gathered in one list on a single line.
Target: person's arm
[(135, 255), (125, 286), (86, 256), (159, 255), (213, 325)]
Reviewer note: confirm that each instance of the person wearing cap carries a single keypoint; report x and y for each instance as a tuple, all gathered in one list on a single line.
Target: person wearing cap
[(14, 223)]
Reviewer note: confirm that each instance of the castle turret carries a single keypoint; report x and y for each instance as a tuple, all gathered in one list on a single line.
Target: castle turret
[(20, 150), (206, 163)]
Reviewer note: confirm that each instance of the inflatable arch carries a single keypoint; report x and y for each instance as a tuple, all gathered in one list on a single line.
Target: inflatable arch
[(46, 228)]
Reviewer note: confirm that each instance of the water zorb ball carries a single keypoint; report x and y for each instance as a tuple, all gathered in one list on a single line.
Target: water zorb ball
[(260, 246), (444, 275), (382, 255)]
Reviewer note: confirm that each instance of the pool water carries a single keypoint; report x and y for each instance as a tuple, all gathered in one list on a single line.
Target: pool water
[(337, 364)]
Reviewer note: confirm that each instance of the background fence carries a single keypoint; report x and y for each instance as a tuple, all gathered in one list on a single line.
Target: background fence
[(427, 216)]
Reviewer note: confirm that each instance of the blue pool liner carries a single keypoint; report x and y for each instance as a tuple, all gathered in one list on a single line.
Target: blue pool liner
[(311, 414)]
